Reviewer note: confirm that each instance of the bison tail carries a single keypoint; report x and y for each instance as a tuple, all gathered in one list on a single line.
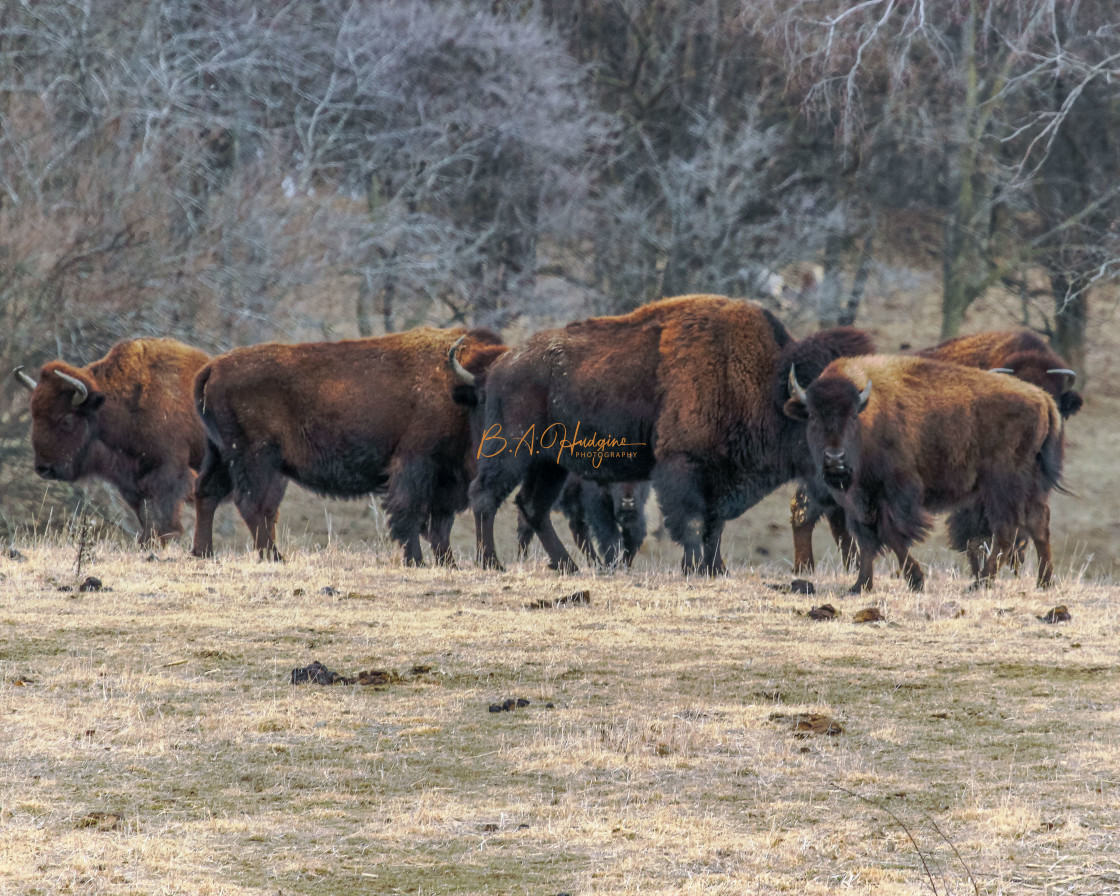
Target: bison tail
[(1051, 455), (204, 411)]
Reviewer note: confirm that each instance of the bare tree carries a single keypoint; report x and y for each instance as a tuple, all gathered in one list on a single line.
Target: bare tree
[(955, 85)]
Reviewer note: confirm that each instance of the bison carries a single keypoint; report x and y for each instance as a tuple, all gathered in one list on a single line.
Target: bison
[(127, 418), (343, 419), (686, 392), (895, 439), (613, 516), (1020, 353)]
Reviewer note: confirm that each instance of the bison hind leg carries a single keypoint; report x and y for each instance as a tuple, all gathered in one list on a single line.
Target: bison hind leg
[(539, 491), (1038, 526)]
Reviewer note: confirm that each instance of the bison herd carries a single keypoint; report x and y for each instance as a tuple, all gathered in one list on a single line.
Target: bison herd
[(705, 399)]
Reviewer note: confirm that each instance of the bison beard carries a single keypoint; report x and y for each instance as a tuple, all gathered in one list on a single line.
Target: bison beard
[(344, 419), (128, 418), (1021, 354), (932, 436), (689, 387)]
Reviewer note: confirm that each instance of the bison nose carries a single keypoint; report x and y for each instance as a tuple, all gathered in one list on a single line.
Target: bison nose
[(834, 458), (46, 471)]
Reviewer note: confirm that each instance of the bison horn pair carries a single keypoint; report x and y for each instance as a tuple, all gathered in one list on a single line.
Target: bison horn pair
[(1065, 371), (797, 392), (24, 380), (82, 392), (453, 359)]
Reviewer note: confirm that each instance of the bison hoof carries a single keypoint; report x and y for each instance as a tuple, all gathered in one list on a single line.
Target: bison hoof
[(203, 554), (564, 566)]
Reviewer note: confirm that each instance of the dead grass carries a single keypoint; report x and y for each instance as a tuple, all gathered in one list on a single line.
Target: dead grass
[(152, 742)]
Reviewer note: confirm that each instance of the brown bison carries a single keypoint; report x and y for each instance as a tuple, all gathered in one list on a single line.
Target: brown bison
[(686, 392), (1022, 354), (129, 419), (344, 419), (612, 516), (895, 439)]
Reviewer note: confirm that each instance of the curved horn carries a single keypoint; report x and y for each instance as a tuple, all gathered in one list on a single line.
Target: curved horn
[(83, 391), (1072, 376), (453, 359), (1001, 370), (795, 387), (24, 379), (865, 395)]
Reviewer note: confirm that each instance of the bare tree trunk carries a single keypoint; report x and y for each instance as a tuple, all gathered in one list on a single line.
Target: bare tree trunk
[(830, 289), (1071, 301)]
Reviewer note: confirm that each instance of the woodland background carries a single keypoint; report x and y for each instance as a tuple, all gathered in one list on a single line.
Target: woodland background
[(233, 172)]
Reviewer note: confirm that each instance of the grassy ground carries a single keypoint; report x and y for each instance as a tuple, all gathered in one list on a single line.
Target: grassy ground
[(152, 741)]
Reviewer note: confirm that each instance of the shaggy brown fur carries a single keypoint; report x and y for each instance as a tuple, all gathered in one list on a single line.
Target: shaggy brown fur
[(895, 439), (1022, 353), (136, 427), (343, 419), (684, 391)]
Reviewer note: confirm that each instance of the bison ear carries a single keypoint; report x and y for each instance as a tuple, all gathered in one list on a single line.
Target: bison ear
[(864, 396), (795, 410), (465, 395), (95, 400)]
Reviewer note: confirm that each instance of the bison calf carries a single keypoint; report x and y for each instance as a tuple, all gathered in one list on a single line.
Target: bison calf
[(344, 419), (612, 517), (129, 419), (895, 439)]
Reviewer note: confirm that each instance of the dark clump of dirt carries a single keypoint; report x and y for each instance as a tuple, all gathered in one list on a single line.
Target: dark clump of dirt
[(578, 599), (868, 614), (317, 673), (806, 724), (510, 704), (823, 612), (1059, 613)]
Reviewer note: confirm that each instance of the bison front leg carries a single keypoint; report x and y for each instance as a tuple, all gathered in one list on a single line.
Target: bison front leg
[(911, 570), (439, 536), (524, 534), (688, 518), (803, 516)]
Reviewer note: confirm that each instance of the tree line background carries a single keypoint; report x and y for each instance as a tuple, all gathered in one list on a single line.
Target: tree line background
[(228, 172)]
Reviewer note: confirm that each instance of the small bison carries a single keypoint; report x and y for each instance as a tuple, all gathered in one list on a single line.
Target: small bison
[(129, 419), (612, 516), (1020, 353), (895, 439), (344, 419)]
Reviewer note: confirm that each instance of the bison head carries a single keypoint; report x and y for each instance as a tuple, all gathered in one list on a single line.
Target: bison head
[(831, 407), (64, 410), (470, 358), (1038, 369)]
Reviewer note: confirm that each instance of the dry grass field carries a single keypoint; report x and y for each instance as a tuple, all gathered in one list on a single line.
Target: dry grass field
[(153, 743)]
